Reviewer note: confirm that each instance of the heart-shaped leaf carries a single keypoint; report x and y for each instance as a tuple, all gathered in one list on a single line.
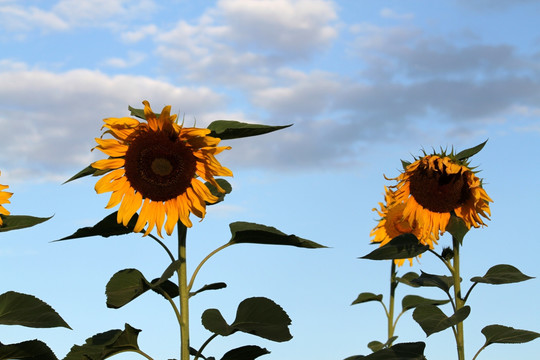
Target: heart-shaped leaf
[(366, 297), (501, 274), (432, 320), (27, 310), (507, 335), (124, 286), (27, 350)]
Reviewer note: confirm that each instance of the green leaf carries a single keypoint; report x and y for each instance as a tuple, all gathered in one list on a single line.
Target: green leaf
[(401, 247), (501, 274), (507, 335), (257, 316), (408, 278), (124, 286), (27, 310), (457, 228), (465, 154), (366, 297), (27, 350), (432, 320), (251, 233), (213, 321), (138, 113), (377, 345), (225, 185), (89, 170), (248, 352), (167, 287), (106, 344), (404, 164), (411, 301), (442, 282), (15, 222), (213, 286), (403, 351), (229, 129), (109, 226)]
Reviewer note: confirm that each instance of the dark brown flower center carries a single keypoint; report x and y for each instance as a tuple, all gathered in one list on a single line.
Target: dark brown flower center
[(438, 191), (159, 166)]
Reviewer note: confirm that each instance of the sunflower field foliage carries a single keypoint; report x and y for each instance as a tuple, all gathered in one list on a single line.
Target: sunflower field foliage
[(160, 174)]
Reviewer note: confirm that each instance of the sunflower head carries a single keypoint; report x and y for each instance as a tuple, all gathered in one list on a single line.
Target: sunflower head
[(4, 199), (437, 186), (392, 224), (154, 166)]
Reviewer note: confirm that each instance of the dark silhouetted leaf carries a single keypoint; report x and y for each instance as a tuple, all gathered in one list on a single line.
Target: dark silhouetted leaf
[(27, 310), (377, 345), (408, 278), (412, 301), (109, 226), (401, 247), (27, 350), (456, 226), (257, 316), (15, 222), (432, 320), (248, 352), (467, 153), (498, 334), (403, 351), (501, 274), (230, 129), (214, 286), (124, 286), (366, 297), (245, 232), (440, 281), (404, 164), (107, 344), (89, 170), (225, 185)]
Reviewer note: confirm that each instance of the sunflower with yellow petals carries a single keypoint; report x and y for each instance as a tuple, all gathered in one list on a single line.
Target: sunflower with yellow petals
[(392, 224), (436, 186), (154, 166), (4, 199)]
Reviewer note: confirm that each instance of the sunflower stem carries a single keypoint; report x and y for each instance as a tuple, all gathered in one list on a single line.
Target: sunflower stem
[(202, 263), (460, 342), (393, 285), (183, 291)]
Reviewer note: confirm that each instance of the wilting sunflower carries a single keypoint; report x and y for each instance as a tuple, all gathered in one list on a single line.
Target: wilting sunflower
[(436, 186), (392, 224), (153, 166), (4, 199)]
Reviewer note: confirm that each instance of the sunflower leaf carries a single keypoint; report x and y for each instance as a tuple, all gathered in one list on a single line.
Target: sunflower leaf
[(501, 274), (411, 301), (138, 113), (15, 222), (245, 232), (27, 310), (248, 352), (213, 286), (402, 351), (377, 345), (229, 129), (442, 282), (257, 316), (27, 350), (125, 286), (404, 246), (225, 185), (407, 279), (467, 153), (507, 335), (432, 320), (106, 227), (457, 227), (106, 344), (366, 297)]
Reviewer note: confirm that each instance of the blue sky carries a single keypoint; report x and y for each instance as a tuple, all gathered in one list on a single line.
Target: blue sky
[(366, 83)]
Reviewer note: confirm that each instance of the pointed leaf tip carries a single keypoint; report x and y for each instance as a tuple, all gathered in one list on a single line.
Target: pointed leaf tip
[(251, 233)]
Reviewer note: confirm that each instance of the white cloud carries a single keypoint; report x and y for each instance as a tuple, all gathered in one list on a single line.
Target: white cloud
[(18, 18), (392, 14), (139, 34), (133, 58), (49, 120)]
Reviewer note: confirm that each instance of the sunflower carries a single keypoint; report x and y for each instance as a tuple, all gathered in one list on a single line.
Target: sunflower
[(4, 196), (392, 224), (153, 166), (435, 187)]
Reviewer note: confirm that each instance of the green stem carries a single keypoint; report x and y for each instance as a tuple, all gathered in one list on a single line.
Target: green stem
[(469, 292), (393, 285), (140, 352), (460, 342), (202, 263), (478, 352), (199, 353), (184, 293), (163, 246)]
